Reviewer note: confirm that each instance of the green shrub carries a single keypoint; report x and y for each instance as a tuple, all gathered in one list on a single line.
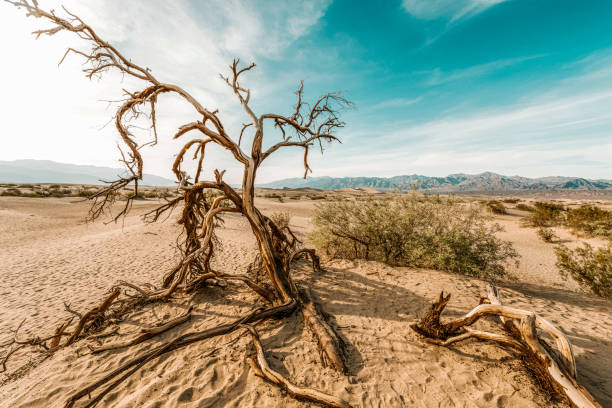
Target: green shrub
[(428, 232), (591, 220), (547, 234), (545, 214), (496, 207), (590, 268)]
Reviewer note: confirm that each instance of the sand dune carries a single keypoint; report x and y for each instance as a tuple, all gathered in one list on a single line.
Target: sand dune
[(50, 256)]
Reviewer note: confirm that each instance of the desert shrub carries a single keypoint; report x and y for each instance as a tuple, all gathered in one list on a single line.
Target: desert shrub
[(54, 186), (84, 192), (545, 214), (151, 194), (281, 219), (511, 200), (428, 232), (139, 196), (317, 197), (525, 207), (57, 193), (591, 220), (590, 268), (11, 192), (496, 207), (546, 234)]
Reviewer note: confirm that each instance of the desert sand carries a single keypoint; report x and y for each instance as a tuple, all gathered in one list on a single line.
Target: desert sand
[(49, 256)]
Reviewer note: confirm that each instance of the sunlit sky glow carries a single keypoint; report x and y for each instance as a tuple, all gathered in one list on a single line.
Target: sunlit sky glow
[(440, 86)]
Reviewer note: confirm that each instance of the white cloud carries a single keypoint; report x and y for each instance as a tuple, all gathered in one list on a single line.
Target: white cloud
[(452, 10), (55, 113)]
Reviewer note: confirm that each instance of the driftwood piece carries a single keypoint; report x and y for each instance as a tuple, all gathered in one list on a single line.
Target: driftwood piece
[(262, 369), (555, 370)]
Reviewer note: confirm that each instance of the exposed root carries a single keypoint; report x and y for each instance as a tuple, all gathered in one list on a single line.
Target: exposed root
[(260, 290), (131, 366), (330, 344), (92, 314), (262, 369), (147, 333), (555, 371)]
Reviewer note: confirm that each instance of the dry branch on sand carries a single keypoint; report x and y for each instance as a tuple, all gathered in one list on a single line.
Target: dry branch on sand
[(555, 370), (308, 125)]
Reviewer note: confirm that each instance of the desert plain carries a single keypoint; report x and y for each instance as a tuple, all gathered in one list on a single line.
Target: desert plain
[(50, 257)]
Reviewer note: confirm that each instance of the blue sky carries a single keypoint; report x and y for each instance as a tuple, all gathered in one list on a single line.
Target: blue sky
[(516, 86)]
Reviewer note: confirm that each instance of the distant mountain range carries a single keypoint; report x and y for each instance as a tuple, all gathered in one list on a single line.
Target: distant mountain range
[(459, 183), (45, 171)]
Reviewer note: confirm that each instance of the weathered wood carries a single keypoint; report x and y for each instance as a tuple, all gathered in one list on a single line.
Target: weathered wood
[(262, 369), (557, 371)]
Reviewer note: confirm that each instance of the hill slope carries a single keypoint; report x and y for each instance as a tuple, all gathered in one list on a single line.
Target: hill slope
[(46, 171), (484, 182)]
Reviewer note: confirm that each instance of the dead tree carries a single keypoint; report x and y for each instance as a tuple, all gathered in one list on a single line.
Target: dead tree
[(554, 369), (306, 127)]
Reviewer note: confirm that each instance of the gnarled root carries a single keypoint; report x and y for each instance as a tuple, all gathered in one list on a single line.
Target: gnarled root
[(93, 313), (555, 370), (118, 375), (147, 333), (263, 370), (330, 344)]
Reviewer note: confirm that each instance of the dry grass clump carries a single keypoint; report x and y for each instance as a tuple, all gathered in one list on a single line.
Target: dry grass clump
[(281, 219), (591, 268), (511, 200), (278, 197), (525, 207), (429, 232), (545, 214), (547, 234), (11, 192), (590, 220), (496, 207)]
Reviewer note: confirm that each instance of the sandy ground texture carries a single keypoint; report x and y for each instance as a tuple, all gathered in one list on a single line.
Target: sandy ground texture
[(49, 256)]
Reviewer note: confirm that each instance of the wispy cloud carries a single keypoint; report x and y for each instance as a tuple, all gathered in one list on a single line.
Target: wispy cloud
[(395, 103), (437, 76), (451, 10)]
